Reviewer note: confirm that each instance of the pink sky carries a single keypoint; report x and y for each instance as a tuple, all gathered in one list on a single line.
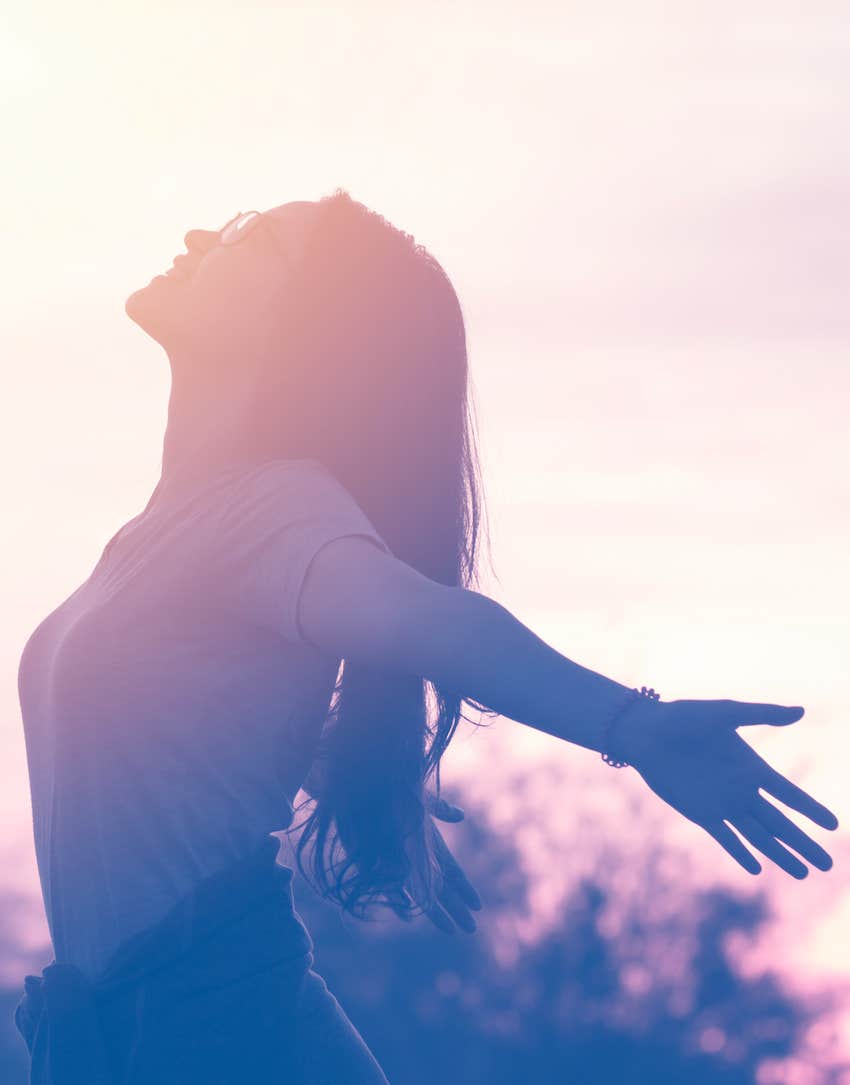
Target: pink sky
[(646, 219)]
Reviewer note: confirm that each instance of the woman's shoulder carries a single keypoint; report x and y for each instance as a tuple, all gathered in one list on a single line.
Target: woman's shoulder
[(279, 489)]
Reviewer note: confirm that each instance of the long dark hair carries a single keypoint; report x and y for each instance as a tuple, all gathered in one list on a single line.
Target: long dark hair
[(372, 380)]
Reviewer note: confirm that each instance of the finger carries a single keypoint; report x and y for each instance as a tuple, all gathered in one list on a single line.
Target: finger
[(468, 892), (453, 873), (784, 828), (747, 712), (440, 918), (442, 809), (457, 880), (445, 811), (730, 843), (793, 796), (452, 903), (760, 838)]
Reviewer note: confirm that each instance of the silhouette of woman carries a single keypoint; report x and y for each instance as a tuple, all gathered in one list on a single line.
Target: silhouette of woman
[(297, 608)]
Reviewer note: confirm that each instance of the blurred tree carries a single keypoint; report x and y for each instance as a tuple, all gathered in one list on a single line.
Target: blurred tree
[(653, 997)]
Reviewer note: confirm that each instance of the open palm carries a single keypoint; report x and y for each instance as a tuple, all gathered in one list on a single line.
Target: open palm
[(691, 756)]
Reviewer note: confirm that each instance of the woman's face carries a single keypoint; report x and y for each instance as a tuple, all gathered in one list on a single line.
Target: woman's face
[(218, 302)]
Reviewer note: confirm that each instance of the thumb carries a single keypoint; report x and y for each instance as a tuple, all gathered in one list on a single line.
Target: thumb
[(445, 811), (745, 713)]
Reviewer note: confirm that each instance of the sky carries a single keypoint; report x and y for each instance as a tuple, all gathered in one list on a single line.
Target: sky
[(643, 209)]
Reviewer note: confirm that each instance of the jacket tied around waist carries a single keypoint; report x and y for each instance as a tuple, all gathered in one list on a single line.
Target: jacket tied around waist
[(176, 1001)]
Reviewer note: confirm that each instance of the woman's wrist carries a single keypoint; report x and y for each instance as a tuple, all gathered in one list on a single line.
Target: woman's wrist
[(637, 731)]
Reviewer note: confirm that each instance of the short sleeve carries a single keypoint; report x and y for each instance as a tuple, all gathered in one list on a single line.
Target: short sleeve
[(275, 527)]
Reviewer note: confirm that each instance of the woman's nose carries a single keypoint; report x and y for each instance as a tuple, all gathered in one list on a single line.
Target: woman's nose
[(200, 239)]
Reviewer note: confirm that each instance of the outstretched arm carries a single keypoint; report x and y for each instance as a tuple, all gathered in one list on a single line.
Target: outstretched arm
[(363, 604)]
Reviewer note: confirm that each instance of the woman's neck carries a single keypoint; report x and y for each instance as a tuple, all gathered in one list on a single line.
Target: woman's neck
[(205, 433)]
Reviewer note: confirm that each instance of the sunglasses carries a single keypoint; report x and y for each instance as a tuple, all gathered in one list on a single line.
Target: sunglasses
[(242, 224)]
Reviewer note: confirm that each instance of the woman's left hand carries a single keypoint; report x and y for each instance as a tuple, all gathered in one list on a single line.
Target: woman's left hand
[(456, 895)]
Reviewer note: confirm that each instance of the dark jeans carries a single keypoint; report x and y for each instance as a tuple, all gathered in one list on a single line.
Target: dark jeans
[(220, 992)]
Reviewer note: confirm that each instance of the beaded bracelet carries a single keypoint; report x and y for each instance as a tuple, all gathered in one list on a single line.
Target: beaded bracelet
[(633, 695)]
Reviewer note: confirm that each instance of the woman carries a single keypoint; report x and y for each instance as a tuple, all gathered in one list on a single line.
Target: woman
[(319, 502)]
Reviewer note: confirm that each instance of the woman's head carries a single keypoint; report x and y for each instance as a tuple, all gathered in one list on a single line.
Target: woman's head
[(217, 303), (355, 356)]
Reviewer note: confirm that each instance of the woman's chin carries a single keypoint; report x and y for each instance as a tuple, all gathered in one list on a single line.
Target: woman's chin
[(150, 306)]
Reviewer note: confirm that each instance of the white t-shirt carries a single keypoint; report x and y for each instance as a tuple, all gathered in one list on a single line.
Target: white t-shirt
[(171, 705)]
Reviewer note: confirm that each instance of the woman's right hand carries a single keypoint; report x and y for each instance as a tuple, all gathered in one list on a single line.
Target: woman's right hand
[(691, 756)]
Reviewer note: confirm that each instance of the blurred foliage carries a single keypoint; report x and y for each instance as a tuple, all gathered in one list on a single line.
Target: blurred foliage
[(635, 985)]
